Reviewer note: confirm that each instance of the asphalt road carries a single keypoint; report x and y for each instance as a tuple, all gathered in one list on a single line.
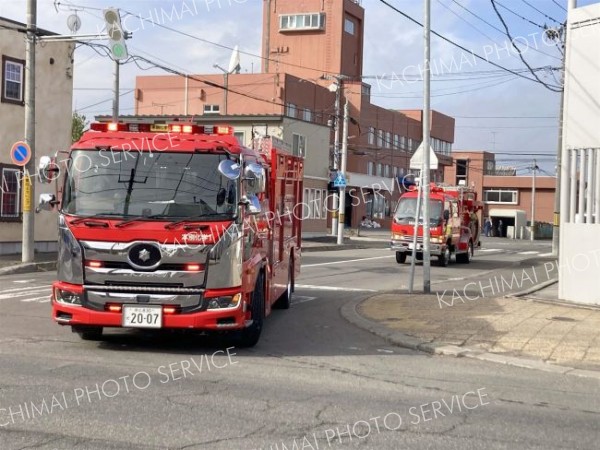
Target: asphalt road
[(313, 382)]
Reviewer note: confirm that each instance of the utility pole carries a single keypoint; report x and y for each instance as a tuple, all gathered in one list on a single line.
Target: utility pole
[(28, 247), (115, 111), (336, 146), (342, 210), (557, 193), (427, 147), (533, 201)]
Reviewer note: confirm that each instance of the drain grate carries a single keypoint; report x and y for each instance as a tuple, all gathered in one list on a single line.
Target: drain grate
[(563, 319)]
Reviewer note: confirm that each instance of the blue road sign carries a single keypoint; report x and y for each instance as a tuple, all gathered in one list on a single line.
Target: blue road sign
[(20, 153), (340, 181)]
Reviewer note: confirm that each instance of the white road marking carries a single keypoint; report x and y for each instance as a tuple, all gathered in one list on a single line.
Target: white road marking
[(25, 289), (45, 297), (346, 261), (333, 288), (297, 299), (486, 250), (528, 253), (23, 294), (22, 281), (547, 254), (383, 350)]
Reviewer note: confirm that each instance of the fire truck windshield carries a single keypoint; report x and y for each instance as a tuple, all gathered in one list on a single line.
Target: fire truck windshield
[(406, 210), (143, 184)]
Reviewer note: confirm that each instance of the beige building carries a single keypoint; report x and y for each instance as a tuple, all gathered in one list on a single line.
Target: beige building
[(54, 93)]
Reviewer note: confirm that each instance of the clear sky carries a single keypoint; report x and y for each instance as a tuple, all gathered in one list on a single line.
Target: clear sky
[(472, 90)]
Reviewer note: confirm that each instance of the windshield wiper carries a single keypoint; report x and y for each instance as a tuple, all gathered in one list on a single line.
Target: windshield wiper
[(138, 218), (172, 225), (95, 216)]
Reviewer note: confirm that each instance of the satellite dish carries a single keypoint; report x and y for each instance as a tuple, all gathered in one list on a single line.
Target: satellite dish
[(234, 62), (74, 23)]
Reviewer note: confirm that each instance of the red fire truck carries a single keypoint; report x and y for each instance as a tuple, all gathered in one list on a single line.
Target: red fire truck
[(454, 224), (173, 226)]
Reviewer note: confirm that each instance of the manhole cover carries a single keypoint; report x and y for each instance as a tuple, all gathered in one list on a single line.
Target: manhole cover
[(563, 319)]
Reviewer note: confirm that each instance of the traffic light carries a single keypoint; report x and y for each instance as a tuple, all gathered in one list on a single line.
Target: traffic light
[(116, 34)]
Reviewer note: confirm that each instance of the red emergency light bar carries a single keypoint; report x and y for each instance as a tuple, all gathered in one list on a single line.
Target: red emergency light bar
[(185, 128)]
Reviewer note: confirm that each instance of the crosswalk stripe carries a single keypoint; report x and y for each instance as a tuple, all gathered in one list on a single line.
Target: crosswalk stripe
[(528, 253)]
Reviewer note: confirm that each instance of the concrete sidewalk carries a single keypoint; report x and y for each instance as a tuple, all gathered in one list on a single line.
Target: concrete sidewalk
[(530, 331)]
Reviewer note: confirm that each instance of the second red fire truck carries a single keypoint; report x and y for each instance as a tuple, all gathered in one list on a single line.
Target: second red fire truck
[(173, 226), (454, 224)]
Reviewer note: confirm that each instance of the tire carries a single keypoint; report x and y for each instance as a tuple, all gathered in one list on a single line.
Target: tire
[(400, 257), (88, 333), (249, 336), (465, 258), (444, 258), (285, 301)]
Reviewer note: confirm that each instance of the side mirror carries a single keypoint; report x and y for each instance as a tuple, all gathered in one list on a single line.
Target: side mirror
[(446, 214), (252, 203), (48, 171), (230, 169), (47, 202), (255, 176), (221, 196)]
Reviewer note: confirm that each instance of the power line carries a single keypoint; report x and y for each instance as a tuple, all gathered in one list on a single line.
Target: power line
[(481, 32), (520, 16), (457, 45), (541, 12), (512, 41), (559, 5)]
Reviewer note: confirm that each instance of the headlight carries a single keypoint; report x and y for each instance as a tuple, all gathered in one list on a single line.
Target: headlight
[(397, 236), (436, 240), (229, 302), (67, 297)]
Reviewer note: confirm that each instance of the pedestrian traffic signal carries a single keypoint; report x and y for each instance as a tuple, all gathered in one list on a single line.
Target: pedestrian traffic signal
[(116, 34)]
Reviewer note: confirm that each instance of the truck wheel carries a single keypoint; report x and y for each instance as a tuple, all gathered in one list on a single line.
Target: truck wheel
[(88, 333), (400, 257), (285, 300), (444, 258), (465, 258), (250, 335)]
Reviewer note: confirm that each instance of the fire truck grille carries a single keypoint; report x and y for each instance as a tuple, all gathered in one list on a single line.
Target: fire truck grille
[(145, 289)]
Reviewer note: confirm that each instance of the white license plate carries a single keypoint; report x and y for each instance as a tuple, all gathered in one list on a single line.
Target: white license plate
[(142, 316)]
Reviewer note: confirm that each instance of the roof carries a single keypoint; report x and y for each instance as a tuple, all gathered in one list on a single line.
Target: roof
[(21, 27)]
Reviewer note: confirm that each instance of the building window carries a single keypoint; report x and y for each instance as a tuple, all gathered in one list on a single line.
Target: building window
[(240, 136), (10, 194), (388, 139), (386, 171), (299, 22), (505, 196), (349, 26), (379, 169), (307, 115), (379, 138), (299, 145), (396, 141), (12, 80), (212, 109), (375, 205), (314, 204), (290, 110), (370, 168), (371, 136), (462, 166)]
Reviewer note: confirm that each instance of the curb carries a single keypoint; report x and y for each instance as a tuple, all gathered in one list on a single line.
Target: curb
[(349, 312), (28, 268), (535, 288)]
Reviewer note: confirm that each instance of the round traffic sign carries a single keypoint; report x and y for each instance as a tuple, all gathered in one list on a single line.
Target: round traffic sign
[(20, 153)]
